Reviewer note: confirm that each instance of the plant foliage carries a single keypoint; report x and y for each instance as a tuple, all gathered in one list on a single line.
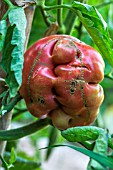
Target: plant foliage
[(13, 49)]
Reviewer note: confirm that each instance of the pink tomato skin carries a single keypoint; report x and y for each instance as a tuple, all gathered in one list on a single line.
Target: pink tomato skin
[(61, 77)]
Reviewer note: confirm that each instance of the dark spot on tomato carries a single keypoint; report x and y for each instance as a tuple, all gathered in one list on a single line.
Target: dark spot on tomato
[(41, 100)]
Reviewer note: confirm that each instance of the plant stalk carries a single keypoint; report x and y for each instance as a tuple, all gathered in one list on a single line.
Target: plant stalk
[(45, 16), (47, 8), (14, 134), (69, 21), (59, 13), (9, 3), (104, 4)]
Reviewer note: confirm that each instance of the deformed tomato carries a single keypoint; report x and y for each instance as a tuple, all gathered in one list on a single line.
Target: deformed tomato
[(60, 81)]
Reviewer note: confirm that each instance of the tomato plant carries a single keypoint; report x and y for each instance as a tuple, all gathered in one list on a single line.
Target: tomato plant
[(56, 64)]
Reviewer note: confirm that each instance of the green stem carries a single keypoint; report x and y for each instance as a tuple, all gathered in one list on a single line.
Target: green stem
[(47, 8), (14, 134), (10, 5), (22, 161), (45, 16), (8, 107), (104, 4), (8, 2), (17, 108), (40, 3), (4, 163), (108, 76), (79, 30), (59, 13), (69, 21), (18, 112)]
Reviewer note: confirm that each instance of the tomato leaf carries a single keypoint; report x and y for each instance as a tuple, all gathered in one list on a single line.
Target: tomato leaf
[(3, 29), (84, 133), (52, 140), (105, 161), (23, 163), (101, 147), (81, 133), (12, 156), (12, 54), (7, 59), (96, 27)]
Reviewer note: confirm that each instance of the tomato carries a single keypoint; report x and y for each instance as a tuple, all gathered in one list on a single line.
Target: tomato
[(61, 77)]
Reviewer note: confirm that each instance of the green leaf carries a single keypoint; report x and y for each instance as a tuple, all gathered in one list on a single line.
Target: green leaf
[(3, 29), (101, 147), (3, 94), (52, 140), (96, 27), (13, 50), (12, 157), (25, 164), (84, 133), (22, 163), (81, 133), (105, 161), (6, 61)]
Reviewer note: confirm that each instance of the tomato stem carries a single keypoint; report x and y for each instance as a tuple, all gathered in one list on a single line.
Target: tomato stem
[(108, 76), (104, 4), (10, 5), (47, 8), (14, 134), (8, 107), (40, 3), (59, 13), (8, 2), (70, 18), (45, 16)]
